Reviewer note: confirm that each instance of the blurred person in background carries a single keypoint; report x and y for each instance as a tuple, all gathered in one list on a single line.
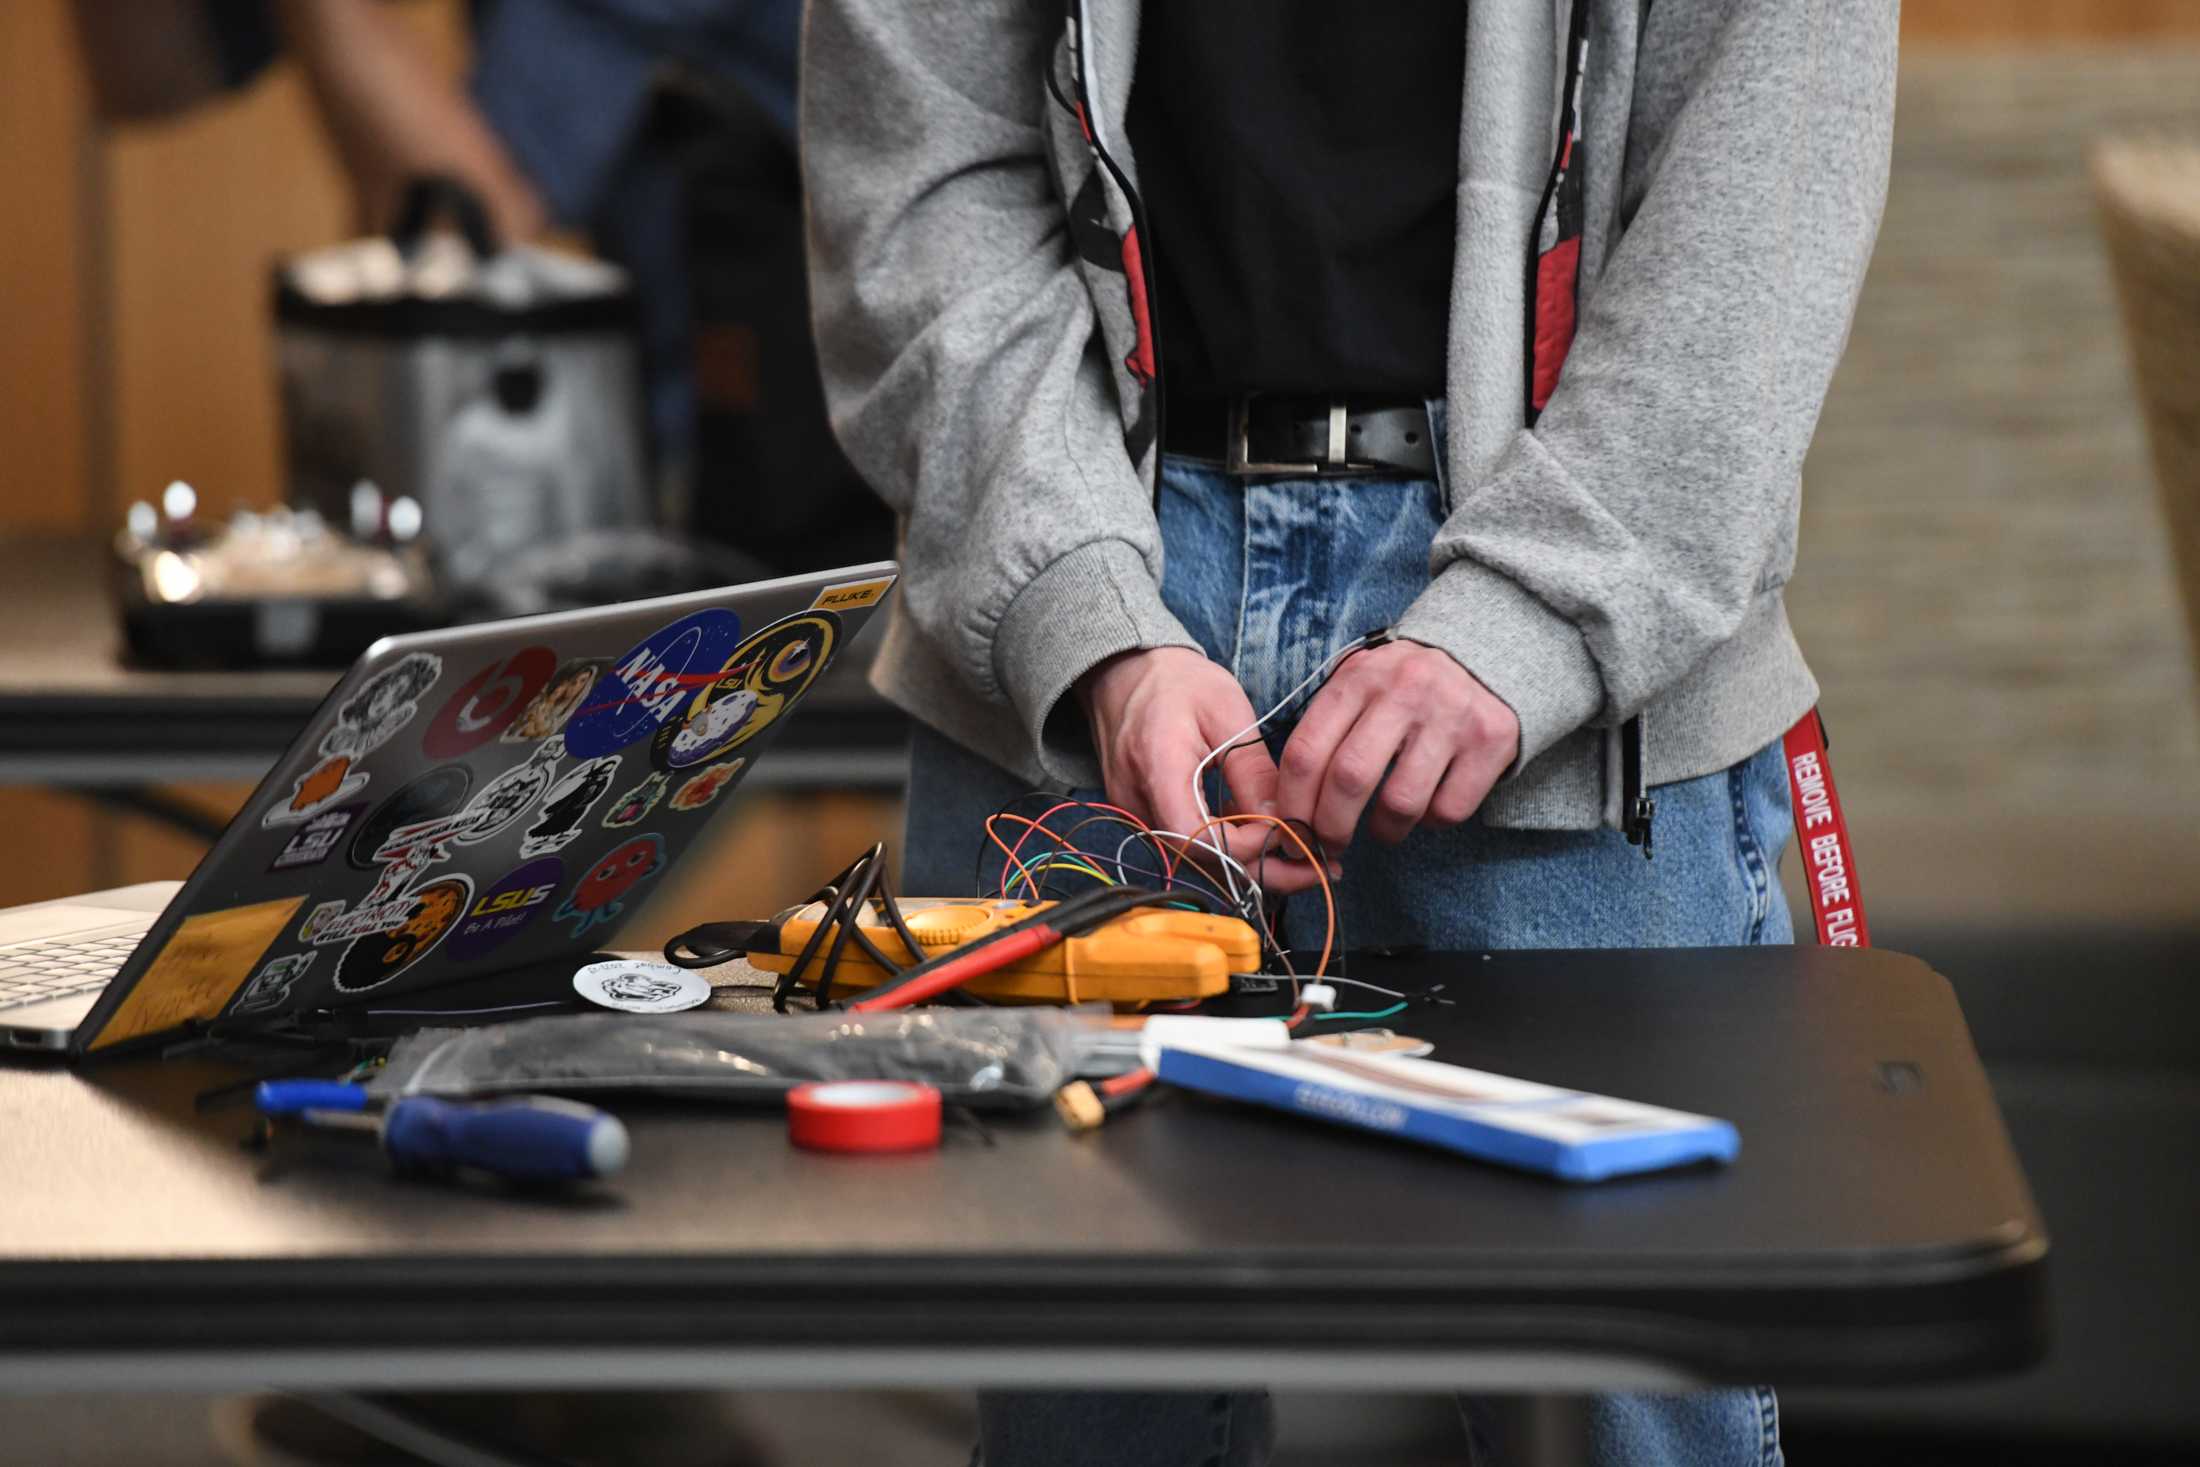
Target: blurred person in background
[(663, 131)]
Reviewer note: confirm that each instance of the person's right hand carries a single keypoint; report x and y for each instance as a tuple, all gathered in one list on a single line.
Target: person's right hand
[(1155, 714)]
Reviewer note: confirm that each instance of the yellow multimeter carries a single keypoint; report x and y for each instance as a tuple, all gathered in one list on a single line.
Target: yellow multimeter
[(1147, 955)]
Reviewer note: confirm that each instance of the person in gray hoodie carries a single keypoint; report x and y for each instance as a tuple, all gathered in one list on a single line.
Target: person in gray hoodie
[(1434, 380)]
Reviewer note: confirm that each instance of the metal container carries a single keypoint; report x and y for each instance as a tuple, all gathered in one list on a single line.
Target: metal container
[(497, 389)]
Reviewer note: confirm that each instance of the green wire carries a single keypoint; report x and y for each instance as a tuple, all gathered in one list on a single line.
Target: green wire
[(1377, 1014)]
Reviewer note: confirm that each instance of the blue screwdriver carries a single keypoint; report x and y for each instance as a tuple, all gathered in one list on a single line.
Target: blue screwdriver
[(522, 1138)]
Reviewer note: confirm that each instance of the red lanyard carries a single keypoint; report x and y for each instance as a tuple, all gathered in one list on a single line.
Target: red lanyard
[(1822, 836)]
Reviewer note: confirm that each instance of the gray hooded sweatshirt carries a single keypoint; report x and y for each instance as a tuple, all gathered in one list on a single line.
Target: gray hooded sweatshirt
[(1665, 211)]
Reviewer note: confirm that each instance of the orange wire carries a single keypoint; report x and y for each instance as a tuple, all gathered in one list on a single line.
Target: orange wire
[(1329, 898), (1168, 865), (1014, 864)]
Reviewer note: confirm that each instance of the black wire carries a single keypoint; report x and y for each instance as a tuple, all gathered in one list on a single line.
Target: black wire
[(979, 885)]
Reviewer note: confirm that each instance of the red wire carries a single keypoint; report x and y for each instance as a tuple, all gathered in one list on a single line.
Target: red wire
[(1168, 863), (959, 970)]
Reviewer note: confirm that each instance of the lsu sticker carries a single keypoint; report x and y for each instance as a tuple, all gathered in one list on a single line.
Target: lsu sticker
[(598, 898), (270, 987), (760, 681), (631, 807), (499, 914), (486, 703), (849, 595), (365, 721), (208, 959), (437, 793), (315, 791), (556, 703), (429, 913), (702, 788), (316, 840), (567, 804), (646, 688)]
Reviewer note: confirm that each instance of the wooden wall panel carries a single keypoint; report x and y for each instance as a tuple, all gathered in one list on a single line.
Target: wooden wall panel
[(199, 208), (2047, 21), (42, 269)]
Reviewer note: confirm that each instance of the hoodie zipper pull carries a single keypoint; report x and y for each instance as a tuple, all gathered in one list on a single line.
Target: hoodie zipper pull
[(1637, 808)]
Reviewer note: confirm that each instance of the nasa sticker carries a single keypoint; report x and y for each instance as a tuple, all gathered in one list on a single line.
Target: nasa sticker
[(641, 988), (649, 685)]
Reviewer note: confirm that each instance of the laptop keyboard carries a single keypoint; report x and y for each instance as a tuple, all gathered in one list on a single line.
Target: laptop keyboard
[(57, 967)]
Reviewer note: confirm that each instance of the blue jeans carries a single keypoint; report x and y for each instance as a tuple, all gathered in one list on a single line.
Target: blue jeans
[(1271, 576)]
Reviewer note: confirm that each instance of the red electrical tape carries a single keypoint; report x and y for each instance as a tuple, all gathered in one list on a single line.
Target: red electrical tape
[(864, 1116), (1822, 831)]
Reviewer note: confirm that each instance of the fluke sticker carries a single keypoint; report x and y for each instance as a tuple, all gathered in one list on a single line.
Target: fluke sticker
[(486, 703), (849, 595), (648, 686)]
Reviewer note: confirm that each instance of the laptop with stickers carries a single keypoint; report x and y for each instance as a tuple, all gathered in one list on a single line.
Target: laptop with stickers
[(466, 802)]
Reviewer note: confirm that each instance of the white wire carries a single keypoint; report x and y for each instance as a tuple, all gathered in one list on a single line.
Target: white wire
[(1199, 771), (1247, 906), (1371, 988)]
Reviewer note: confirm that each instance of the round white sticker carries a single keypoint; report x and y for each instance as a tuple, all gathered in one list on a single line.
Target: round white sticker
[(641, 988)]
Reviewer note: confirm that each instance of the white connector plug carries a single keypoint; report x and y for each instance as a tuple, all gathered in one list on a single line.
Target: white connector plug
[(1318, 996)]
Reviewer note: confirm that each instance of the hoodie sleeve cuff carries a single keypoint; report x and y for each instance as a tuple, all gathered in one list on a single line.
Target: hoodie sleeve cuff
[(1096, 601), (1515, 646)]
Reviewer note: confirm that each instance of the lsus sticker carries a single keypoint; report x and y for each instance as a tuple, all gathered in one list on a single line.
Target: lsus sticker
[(506, 909)]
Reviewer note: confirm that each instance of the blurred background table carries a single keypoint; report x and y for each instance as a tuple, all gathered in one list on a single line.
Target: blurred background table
[(75, 714)]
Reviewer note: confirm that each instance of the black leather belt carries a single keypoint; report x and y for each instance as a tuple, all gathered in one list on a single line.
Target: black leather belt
[(1304, 436)]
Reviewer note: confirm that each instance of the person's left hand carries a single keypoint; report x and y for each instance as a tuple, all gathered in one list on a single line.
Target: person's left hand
[(1401, 724)]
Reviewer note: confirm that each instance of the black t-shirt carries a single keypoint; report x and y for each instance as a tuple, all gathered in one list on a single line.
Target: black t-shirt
[(1299, 161)]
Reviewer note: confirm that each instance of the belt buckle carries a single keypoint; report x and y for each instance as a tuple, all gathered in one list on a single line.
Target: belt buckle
[(1236, 450)]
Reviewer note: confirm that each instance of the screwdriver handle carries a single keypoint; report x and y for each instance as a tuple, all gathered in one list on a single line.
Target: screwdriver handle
[(531, 1138), (289, 1097)]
